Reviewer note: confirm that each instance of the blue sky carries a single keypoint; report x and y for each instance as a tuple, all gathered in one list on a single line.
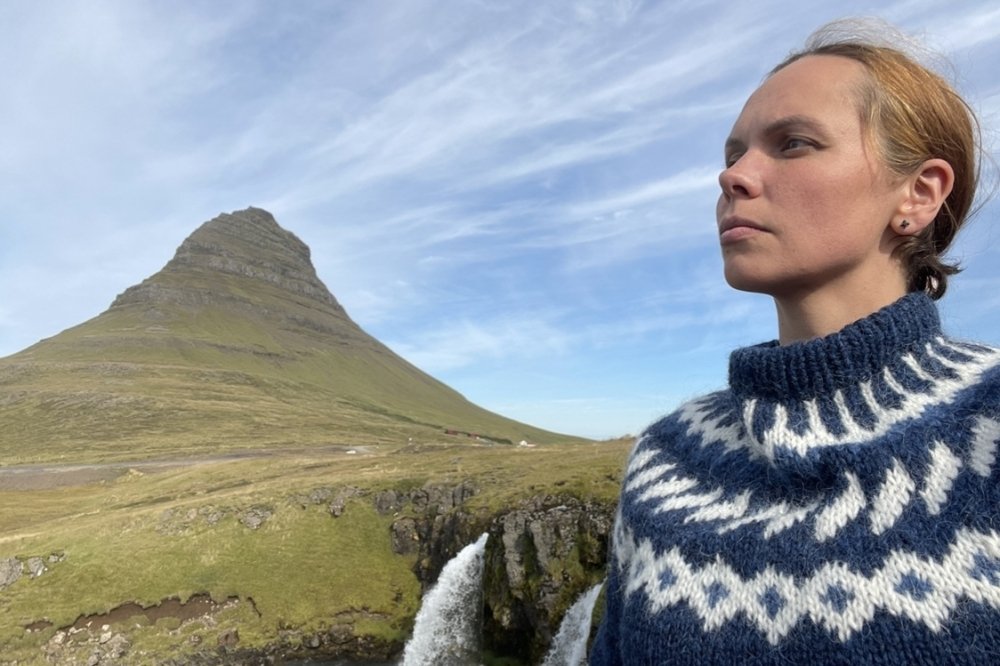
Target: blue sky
[(515, 196)]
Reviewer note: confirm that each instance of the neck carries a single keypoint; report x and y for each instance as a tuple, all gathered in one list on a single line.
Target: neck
[(818, 314)]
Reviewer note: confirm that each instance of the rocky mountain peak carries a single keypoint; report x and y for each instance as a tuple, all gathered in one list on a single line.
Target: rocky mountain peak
[(248, 244), (251, 232)]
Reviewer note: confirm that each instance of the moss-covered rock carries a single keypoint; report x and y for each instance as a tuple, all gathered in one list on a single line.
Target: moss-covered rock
[(545, 554)]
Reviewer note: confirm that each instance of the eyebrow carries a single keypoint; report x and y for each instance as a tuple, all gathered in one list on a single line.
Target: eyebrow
[(779, 126)]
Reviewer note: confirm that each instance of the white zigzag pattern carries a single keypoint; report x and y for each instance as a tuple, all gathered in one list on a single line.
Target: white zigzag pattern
[(678, 492), (834, 597), (892, 498), (780, 435), (985, 437), (709, 430), (944, 469), (842, 510)]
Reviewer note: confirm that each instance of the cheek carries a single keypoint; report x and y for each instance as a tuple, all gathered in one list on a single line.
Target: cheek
[(821, 202)]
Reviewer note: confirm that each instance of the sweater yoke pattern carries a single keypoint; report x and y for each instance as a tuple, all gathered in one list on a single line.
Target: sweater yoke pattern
[(834, 484), (857, 413)]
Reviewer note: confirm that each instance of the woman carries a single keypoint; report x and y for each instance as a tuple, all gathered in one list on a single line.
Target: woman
[(838, 502)]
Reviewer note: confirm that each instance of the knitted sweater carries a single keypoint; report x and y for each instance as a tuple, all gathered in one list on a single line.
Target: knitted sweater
[(839, 503)]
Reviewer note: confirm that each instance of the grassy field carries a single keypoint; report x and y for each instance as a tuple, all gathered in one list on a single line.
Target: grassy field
[(177, 533)]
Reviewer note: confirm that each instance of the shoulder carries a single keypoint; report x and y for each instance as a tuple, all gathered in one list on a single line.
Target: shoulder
[(707, 418), (976, 367), (694, 411)]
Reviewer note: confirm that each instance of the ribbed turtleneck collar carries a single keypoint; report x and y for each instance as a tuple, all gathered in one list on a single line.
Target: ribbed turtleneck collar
[(803, 370)]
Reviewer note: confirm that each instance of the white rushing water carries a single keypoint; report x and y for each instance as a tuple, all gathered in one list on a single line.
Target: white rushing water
[(569, 647), (449, 621)]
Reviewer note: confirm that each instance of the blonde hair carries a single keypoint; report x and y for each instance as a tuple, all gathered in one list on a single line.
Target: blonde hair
[(912, 114)]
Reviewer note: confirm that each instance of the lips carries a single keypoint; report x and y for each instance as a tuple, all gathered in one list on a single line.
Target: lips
[(732, 229)]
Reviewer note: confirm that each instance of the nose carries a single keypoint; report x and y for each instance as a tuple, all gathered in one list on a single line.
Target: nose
[(739, 181)]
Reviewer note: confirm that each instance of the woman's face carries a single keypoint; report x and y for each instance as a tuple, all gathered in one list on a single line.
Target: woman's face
[(806, 203)]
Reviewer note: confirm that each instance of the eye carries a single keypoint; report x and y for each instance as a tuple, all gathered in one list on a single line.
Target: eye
[(796, 143), (732, 158)]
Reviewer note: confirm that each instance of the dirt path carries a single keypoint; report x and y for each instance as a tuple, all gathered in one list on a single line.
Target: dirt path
[(45, 476)]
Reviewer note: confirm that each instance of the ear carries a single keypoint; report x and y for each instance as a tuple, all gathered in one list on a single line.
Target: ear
[(924, 194)]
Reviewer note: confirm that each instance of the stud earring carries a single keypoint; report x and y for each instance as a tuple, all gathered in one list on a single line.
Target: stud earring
[(904, 224)]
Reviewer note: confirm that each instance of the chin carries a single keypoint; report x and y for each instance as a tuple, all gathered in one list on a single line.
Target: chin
[(751, 283)]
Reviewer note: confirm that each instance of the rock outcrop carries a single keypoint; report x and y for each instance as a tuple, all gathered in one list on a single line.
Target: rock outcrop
[(10, 571), (12, 568), (543, 556), (435, 525), (540, 556)]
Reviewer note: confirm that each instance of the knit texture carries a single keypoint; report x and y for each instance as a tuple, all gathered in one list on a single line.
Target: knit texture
[(839, 503)]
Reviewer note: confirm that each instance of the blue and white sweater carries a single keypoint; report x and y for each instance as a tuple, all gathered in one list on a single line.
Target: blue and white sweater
[(839, 503)]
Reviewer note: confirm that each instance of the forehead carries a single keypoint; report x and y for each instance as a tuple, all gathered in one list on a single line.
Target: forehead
[(825, 88)]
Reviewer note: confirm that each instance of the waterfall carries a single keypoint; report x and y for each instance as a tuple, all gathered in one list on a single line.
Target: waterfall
[(569, 647), (449, 621)]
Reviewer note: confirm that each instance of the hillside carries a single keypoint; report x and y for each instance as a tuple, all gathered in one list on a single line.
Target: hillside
[(235, 344)]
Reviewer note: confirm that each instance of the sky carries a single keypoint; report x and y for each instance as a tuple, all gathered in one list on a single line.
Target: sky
[(516, 196)]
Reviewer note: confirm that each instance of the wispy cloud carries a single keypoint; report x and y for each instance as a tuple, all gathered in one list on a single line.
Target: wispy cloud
[(976, 25), (684, 182), (463, 342)]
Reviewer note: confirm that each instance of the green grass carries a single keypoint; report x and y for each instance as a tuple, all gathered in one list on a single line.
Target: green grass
[(63, 401), (131, 540)]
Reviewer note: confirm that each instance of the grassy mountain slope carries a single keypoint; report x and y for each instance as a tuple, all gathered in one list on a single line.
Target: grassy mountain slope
[(234, 344)]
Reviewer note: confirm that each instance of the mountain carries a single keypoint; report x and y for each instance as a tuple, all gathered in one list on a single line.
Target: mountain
[(235, 344)]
